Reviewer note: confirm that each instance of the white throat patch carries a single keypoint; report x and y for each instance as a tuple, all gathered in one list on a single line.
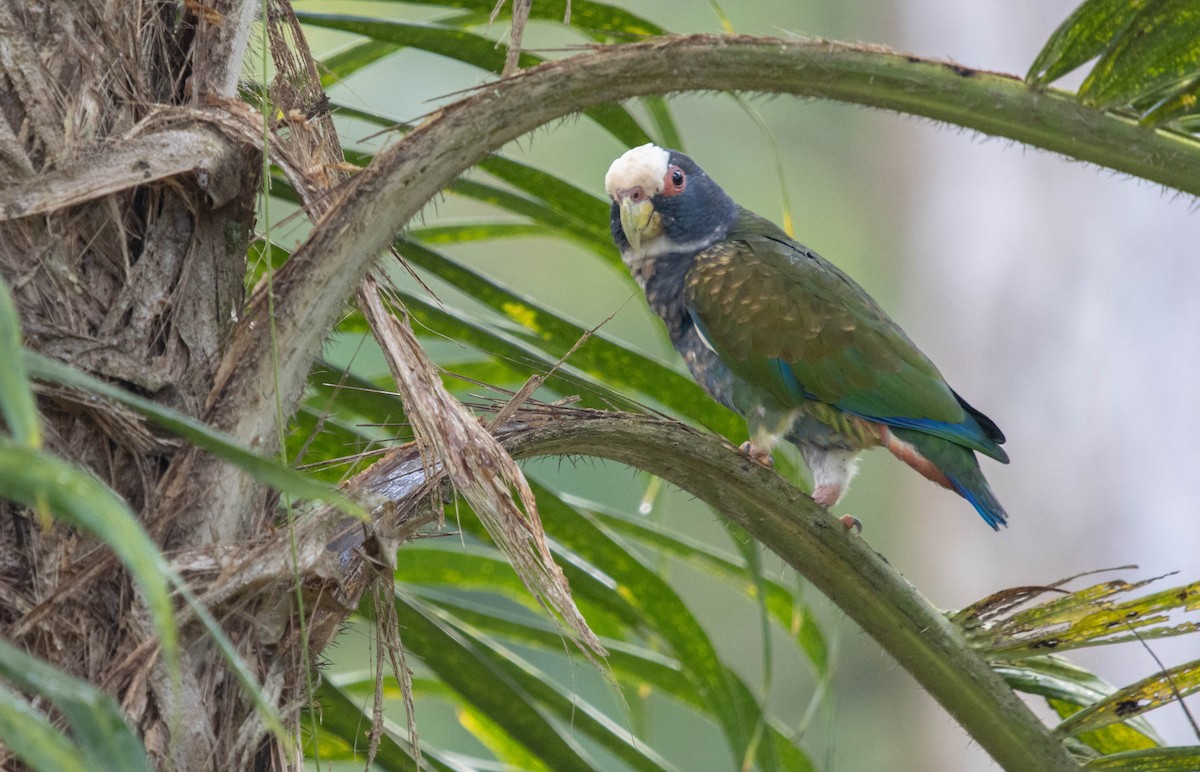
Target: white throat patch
[(644, 166)]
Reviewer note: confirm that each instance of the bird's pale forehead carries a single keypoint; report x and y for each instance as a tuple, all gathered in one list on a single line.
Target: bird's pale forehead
[(643, 166)]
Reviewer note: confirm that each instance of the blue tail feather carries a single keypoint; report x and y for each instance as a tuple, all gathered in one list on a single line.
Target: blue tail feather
[(985, 503), (961, 468)]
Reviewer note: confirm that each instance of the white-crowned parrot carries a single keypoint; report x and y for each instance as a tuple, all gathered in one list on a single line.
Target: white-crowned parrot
[(773, 331)]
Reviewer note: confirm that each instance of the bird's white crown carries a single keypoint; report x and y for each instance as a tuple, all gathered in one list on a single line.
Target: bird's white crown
[(644, 166)]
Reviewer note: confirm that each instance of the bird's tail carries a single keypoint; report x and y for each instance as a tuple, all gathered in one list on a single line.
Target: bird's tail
[(951, 465)]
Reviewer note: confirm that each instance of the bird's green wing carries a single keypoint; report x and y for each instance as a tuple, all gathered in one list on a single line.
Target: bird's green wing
[(784, 319)]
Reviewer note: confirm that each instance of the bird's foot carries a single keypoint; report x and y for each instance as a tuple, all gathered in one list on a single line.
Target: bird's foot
[(827, 495), (755, 453), (852, 523)]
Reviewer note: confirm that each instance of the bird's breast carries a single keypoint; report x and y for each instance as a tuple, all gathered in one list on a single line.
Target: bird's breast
[(641, 268)]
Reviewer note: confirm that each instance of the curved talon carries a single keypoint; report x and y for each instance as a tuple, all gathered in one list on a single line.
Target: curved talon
[(755, 453), (851, 522)]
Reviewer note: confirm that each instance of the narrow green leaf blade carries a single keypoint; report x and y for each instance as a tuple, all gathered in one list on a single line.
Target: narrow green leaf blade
[(32, 477), (629, 662), (450, 42), (265, 470), (564, 380), (784, 607), (585, 15), (345, 63), (1181, 106), (342, 717), (241, 671), (104, 738), (1086, 34), (16, 395), (333, 452), (464, 668), (1158, 49), (570, 708), (551, 220), (1178, 759), (583, 549), (558, 206), (583, 207), (1067, 689), (562, 207), (33, 739), (470, 48), (28, 476), (660, 114), (1114, 738), (482, 231), (577, 538), (352, 394), (485, 569), (600, 359), (588, 235), (1136, 699), (1002, 630)]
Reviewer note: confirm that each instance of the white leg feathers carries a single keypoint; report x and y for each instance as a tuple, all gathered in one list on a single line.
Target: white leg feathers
[(832, 471)]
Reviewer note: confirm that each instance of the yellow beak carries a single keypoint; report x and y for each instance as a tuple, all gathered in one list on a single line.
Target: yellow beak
[(638, 219)]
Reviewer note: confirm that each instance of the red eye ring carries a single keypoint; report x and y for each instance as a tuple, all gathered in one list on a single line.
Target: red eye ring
[(674, 181)]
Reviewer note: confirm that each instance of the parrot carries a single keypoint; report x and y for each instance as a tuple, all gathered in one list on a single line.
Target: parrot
[(781, 336)]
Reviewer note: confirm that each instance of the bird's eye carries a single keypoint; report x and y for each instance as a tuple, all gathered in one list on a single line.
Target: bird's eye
[(674, 182)]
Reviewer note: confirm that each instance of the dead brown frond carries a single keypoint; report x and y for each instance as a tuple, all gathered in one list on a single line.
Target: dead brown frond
[(388, 645), (455, 443)]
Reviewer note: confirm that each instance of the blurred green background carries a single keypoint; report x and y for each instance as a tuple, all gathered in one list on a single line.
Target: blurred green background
[(1055, 297)]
